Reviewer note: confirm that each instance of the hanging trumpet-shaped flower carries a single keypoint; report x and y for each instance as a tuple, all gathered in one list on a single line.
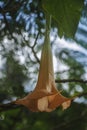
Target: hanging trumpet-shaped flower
[(45, 96)]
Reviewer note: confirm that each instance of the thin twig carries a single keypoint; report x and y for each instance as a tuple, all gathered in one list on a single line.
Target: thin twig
[(32, 48), (71, 80), (36, 40), (81, 94)]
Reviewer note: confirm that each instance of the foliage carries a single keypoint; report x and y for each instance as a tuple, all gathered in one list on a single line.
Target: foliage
[(22, 28), (67, 14)]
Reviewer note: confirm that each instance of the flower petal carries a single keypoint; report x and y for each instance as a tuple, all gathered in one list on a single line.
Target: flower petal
[(66, 104), (43, 104), (36, 94), (30, 104), (46, 72), (57, 100)]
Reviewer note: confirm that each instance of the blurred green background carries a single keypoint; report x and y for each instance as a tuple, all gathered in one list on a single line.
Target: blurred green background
[(22, 28)]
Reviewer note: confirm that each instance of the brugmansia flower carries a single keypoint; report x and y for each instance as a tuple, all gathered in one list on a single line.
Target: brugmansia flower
[(45, 96)]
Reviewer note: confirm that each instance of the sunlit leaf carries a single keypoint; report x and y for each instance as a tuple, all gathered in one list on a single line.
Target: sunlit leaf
[(67, 14)]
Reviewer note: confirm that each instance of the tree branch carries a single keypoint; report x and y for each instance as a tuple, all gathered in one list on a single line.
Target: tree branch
[(71, 80), (8, 106)]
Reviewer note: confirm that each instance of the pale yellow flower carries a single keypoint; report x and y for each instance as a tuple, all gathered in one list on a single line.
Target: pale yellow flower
[(45, 96)]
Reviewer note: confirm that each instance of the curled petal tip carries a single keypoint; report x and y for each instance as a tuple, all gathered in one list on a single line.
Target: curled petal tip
[(57, 100), (66, 104)]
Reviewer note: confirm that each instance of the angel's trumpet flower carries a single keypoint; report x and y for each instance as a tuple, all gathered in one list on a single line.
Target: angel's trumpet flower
[(45, 96)]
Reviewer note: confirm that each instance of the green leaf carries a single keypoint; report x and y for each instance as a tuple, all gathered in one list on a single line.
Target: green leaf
[(67, 14)]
